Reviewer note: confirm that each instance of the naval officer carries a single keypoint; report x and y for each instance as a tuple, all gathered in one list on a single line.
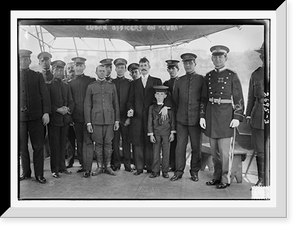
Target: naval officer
[(224, 108)]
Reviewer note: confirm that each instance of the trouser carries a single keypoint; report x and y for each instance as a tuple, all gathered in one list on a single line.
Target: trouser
[(257, 140), (162, 142), (183, 132), (222, 154), (80, 131), (172, 152), (123, 131), (36, 132), (102, 136), (58, 141), (71, 151)]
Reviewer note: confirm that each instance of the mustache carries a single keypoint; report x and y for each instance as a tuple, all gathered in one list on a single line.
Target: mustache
[(143, 69)]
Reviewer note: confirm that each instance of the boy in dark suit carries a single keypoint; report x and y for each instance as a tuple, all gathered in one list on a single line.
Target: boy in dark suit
[(161, 133)]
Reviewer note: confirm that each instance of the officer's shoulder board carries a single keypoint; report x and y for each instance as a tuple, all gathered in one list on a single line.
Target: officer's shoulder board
[(231, 71), (209, 73)]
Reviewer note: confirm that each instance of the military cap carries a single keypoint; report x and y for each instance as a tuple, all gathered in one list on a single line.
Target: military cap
[(24, 53), (219, 50), (261, 49), (172, 63), (79, 60), (188, 56), (106, 62), (133, 66), (160, 88), (44, 55), (58, 63), (120, 61)]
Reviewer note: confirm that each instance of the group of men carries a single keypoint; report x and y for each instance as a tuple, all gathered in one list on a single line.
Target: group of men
[(105, 109)]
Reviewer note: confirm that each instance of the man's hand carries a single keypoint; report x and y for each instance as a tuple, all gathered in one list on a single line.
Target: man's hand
[(171, 137), (234, 123), (116, 126), (164, 113), (152, 139), (202, 123), (89, 128), (127, 122), (45, 119), (63, 110)]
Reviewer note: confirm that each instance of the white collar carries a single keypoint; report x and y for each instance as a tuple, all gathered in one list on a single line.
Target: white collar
[(220, 69), (145, 77)]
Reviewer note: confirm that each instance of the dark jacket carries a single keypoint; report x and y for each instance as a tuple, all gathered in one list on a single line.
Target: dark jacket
[(60, 95), (224, 84), (123, 86), (156, 125), (101, 106), (187, 98), (140, 100), (34, 96), (255, 104), (78, 89)]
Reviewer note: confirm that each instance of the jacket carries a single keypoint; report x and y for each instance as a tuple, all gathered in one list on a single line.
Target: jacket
[(187, 98), (255, 104), (60, 95), (101, 106), (34, 96), (78, 87)]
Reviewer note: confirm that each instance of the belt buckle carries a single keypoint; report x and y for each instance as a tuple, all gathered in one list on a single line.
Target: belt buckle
[(219, 101)]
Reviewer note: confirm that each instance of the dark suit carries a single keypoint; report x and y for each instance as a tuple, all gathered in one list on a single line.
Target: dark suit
[(140, 100), (60, 94), (34, 102), (78, 87), (161, 131), (123, 86)]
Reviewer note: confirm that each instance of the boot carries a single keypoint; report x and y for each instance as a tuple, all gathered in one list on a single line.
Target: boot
[(107, 154), (99, 159), (260, 169)]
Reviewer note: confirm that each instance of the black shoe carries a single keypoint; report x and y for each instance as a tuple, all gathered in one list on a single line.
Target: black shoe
[(153, 175), (86, 174), (55, 175), (138, 172), (128, 169), (24, 177), (41, 179), (149, 171), (194, 178), (222, 185), (175, 177), (165, 175), (213, 182), (66, 172), (115, 168)]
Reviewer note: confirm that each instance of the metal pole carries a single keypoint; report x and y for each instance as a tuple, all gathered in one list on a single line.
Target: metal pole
[(75, 46), (37, 33)]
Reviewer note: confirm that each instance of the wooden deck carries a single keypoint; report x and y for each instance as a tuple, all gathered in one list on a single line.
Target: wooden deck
[(127, 186)]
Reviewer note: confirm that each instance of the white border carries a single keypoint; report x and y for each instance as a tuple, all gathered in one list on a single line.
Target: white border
[(276, 207)]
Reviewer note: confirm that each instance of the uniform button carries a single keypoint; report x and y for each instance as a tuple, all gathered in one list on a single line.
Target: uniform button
[(208, 78), (221, 93), (224, 82), (209, 87), (226, 77), (210, 92), (208, 82), (229, 73), (222, 87)]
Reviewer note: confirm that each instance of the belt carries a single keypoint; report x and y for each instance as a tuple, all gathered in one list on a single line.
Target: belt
[(219, 100)]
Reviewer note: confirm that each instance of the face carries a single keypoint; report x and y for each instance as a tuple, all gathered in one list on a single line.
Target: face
[(79, 68), (135, 73), (70, 70), (101, 72), (45, 63), (25, 62), (219, 60), (144, 68), (108, 69), (189, 65), (121, 69), (172, 71), (58, 72), (160, 96)]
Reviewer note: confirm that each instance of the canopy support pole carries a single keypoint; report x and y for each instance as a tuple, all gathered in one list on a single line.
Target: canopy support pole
[(75, 47)]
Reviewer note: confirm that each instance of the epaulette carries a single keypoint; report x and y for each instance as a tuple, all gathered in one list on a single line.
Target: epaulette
[(231, 71), (209, 73)]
